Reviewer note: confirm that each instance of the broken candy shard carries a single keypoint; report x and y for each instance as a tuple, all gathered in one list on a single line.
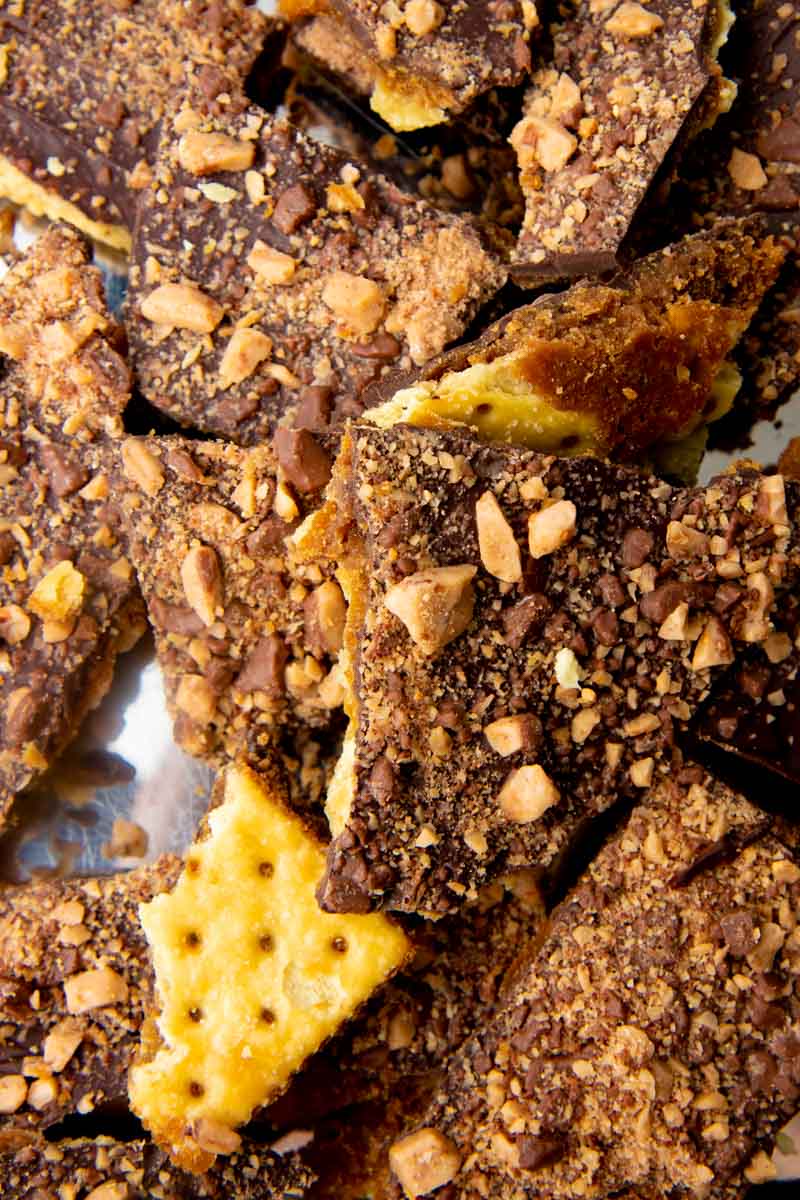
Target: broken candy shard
[(280, 289), (247, 642), (108, 1170), (68, 598), (747, 163), (560, 693), (613, 368), (435, 61), (76, 984), (76, 136), (627, 82), (251, 976), (588, 1086)]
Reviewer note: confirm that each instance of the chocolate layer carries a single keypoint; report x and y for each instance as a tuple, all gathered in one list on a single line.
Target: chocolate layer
[(651, 1049), (304, 276), (86, 132), (623, 85), (69, 599), (528, 637)]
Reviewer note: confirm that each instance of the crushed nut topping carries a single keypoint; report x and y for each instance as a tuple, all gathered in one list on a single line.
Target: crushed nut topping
[(182, 306), (527, 794), (500, 553), (435, 605)]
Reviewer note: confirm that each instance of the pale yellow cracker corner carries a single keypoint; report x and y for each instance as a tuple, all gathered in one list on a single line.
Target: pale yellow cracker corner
[(41, 202), (252, 977)]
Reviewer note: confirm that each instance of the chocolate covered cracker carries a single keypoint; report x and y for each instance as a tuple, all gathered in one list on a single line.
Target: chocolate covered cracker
[(526, 637), (109, 1170), (246, 640), (464, 166), (75, 985), (747, 162), (753, 714), (68, 599), (651, 1048), (653, 1044), (274, 278), (421, 61), (84, 86), (639, 364), (626, 81)]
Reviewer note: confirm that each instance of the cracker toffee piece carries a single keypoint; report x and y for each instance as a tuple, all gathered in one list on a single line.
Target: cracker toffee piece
[(378, 1076), (423, 60), (403, 1038), (608, 368), (251, 976), (312, 276), (653, 1043), (83, 86), (464, 166), (626, 82), (753, 713), (247, 642), (75, 983), (68, 600), (525, 638), (748, 163), (107, 1170)]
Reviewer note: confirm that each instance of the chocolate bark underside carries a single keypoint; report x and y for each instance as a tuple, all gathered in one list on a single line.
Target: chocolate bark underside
[(603, 352)]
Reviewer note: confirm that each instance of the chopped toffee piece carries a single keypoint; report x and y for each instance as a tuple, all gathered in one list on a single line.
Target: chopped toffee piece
[(84, 85), (247, 641), (272, 276), (75, 984), (525, 638), (624, 84), (612, 368), (107, 1170), (652, 1044), (251, 976), (424, 60), (68, 599)]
